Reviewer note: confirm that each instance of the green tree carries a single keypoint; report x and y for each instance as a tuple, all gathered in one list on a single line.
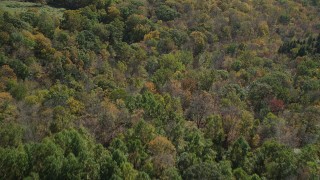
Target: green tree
[(72, 21), (137, 26), (116, 29), (87, 40), (166, 13), (128, 172), (209, 170), (47, 24), (14, 163), (238, 152), (10, 134), (275, 161)]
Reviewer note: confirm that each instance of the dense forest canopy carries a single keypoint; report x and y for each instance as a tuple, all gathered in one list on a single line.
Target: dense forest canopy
[(160, 89)]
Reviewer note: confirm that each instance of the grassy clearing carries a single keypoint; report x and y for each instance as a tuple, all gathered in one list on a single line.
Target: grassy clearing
[(18, 7)]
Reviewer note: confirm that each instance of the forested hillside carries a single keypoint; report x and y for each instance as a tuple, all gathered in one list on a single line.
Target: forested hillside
[(160, 89)]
